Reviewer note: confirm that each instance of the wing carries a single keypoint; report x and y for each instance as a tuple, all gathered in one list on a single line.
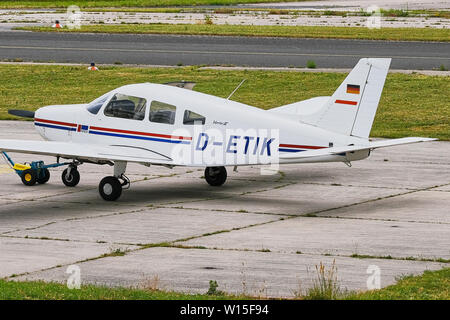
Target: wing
[(370, 146), (86, 152)]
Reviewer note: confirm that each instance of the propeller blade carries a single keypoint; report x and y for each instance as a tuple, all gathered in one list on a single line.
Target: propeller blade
[(22, 113)]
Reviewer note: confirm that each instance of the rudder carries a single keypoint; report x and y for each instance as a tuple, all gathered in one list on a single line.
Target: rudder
[(371, 97)]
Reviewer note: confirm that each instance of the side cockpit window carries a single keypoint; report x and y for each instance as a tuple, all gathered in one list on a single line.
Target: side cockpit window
[(95, 106), (161, 112), (191, 117), (126, 107)]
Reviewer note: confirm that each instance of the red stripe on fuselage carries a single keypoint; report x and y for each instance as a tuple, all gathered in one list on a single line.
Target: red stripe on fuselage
[(56, 122), (300, 147), (141, 133), (353, 103)]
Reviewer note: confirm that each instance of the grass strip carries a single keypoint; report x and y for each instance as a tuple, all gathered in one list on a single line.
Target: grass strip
[(399, 34)]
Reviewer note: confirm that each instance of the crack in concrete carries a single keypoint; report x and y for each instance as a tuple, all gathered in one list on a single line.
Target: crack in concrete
[(378, 219), (265, 250), (230, 211), (69, 240), (356, 186), (79, 218)]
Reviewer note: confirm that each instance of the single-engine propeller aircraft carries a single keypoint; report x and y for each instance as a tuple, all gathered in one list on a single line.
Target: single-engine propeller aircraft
[(171, 125)]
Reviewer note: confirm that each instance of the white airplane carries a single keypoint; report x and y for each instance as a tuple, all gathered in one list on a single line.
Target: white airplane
[(160, 124)]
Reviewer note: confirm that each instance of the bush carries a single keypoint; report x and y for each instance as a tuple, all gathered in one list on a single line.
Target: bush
[(325, 285), (311, 64), (212, 291)]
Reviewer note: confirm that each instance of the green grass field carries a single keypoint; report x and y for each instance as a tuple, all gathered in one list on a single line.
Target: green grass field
[(411, 105), (36, 290), (403, 34), (122, 3), (432, 285)]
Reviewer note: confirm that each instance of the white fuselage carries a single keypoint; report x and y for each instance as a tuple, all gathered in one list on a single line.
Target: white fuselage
[(232, 134)]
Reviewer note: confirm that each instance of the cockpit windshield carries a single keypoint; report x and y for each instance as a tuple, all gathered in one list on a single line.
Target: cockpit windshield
[(95, 105)]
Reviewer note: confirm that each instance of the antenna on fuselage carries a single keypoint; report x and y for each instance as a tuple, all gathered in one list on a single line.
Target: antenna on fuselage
[(240, 84)]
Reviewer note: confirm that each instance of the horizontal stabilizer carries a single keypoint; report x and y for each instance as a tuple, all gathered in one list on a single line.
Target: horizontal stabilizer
[(369, 146)]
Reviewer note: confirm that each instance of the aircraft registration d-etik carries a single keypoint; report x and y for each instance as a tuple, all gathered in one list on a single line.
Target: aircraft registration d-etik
[(172, 125)]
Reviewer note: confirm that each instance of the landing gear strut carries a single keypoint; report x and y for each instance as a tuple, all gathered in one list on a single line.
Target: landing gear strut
[(215, 176), (110, 188)]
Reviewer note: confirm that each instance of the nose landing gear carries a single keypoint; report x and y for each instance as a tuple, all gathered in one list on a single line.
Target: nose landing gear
[(70, 176)]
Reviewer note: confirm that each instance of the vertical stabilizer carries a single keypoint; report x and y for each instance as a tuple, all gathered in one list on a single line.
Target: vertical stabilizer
[(352, 107)]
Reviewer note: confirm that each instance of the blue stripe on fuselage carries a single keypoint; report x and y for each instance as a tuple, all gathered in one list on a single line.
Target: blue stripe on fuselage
[(54, 127), (137, 137), (289, 150)]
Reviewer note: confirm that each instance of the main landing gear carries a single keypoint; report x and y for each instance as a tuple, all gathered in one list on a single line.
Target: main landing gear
[(110, 188), (215, 176)]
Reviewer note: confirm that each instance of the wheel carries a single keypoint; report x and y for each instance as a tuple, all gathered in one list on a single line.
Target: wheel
[(45, 176), (29, 177), (110, 188), (215, 176), (73, 178)]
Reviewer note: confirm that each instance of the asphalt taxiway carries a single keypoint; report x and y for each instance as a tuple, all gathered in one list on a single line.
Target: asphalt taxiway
[(215, 50)]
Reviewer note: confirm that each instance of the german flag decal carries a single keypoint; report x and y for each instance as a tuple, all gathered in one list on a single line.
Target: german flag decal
[(353, 88)]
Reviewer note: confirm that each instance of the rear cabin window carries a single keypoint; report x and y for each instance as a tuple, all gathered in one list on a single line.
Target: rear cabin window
[(190, 117), (126, 107), (161, 112)]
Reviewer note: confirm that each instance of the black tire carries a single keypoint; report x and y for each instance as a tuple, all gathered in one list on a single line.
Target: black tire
[(45, 177), (215, 176), (29, 177), (73, 179), (110, 188)]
